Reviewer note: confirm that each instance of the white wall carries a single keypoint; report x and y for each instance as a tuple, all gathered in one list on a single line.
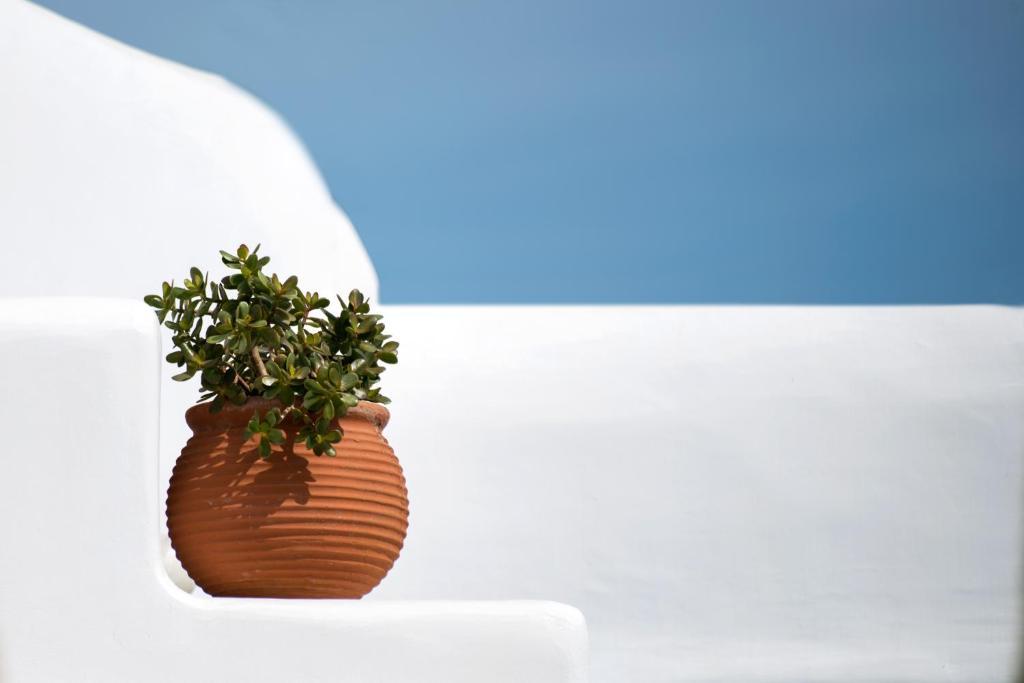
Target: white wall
[(728, 493), (83, 593), (120, 170)]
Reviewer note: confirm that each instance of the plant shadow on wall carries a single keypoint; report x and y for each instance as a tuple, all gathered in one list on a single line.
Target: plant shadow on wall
[(287, 487)]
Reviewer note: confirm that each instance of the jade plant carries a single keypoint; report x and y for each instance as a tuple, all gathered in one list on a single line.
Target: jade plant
[(251, 334)]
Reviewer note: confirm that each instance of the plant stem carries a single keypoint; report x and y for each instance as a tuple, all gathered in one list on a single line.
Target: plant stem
[(254, 351), (239, 380)]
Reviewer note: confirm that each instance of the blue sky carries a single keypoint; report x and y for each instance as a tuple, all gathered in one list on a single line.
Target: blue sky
[(721, 151)]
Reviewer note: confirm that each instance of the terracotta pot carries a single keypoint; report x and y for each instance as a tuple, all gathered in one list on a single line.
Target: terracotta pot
[(295, 525)]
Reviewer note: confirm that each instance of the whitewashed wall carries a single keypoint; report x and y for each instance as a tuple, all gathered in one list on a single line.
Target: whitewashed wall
[(84, 597), (728, 493), (119, 170)]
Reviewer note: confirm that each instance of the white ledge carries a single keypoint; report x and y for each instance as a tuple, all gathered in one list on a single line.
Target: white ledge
[(83, 592)]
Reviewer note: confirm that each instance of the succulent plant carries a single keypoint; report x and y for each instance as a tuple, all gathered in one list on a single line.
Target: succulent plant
[(255, 335)]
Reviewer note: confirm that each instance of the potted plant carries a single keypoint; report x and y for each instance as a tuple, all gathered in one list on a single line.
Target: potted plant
[(287, 487)]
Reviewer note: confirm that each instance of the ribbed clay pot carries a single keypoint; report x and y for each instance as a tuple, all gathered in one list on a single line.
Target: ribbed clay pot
[(295, 525)]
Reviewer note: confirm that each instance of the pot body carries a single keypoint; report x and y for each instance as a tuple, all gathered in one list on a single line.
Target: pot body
[(294, 525)]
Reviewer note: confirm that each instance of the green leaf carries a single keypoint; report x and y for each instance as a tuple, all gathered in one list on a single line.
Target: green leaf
[(211, 377), (319, 364)]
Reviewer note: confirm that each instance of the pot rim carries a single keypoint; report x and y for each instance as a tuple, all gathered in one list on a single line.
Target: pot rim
[(199, 417)]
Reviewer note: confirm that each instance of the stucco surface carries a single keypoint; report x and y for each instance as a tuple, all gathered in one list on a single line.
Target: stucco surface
[(728, 493), (84, 595)]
